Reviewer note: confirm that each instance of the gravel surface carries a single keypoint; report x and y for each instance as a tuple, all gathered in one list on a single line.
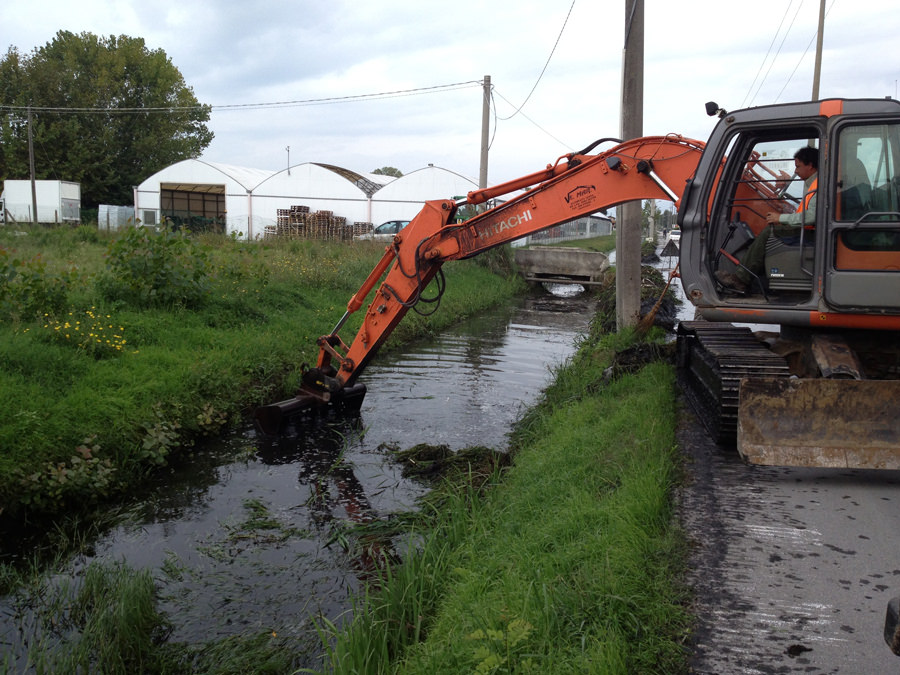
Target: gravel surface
[(792, 569)]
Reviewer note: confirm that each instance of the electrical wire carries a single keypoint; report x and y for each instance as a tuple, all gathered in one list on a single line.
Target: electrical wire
[(787, 32), (803, 56), (544, 70), (257, 106), (503, 119), (769, 51)]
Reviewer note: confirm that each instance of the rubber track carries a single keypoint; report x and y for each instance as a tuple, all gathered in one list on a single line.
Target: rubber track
[(712, 360)]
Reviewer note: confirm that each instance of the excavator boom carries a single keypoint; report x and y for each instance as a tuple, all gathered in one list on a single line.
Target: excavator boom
[(576, 185), (831, 285)]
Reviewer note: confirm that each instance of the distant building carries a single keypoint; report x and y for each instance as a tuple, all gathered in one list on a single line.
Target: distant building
[(237, 199), (58, 201)]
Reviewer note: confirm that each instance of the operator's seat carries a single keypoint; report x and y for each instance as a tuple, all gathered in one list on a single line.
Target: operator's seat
[(789, 266), (854, 189)]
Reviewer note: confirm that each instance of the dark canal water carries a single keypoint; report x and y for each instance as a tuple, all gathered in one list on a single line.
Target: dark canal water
[(197, 527)]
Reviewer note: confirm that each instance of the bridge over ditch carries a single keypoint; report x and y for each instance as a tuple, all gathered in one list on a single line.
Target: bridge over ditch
[(561, 265)]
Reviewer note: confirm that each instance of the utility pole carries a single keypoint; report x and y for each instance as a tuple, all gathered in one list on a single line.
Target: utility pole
[(34, 213), (628, 224), (818, 71), (485, 131)]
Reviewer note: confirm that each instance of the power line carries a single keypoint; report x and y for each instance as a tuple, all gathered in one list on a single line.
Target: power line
[(803, 55), (769, 51), (544, 70), (530, 120), (258, 106), (786, 33)]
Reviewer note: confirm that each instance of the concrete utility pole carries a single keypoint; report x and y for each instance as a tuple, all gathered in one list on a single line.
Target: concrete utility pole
[(628, 224), (485, 131), (34, 213), (818, 71)]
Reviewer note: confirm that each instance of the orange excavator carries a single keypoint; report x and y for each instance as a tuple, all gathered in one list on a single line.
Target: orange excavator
[(799, 367)]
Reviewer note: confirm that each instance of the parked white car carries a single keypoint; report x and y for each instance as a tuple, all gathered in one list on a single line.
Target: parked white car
[(384, 232)]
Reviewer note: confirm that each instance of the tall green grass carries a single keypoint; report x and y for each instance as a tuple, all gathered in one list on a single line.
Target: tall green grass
[(569, 565), (81, 416), (106, 621)]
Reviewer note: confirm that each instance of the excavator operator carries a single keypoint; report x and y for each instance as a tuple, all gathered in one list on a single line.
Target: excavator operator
[(782, 225)]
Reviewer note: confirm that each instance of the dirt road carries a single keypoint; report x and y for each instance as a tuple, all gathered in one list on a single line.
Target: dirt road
[(792, 569)]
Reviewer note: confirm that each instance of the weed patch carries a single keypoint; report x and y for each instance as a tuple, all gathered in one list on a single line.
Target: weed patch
[(28, 288), (568, 564), (88, 331), (438, 463), (147, 267)]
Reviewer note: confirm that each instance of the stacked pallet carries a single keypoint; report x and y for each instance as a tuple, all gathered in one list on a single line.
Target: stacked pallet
[(362, 228), (298, 223)]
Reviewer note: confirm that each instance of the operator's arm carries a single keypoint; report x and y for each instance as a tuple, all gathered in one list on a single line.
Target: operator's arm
[(800, 218)]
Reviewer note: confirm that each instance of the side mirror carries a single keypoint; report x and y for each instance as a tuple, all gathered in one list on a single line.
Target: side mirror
[(713, 109)]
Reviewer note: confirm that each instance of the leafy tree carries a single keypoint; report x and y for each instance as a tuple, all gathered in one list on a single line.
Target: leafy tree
[(388, 171), (106, 112)]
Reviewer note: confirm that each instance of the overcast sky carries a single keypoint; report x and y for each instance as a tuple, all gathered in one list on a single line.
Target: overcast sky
[(561, 59)]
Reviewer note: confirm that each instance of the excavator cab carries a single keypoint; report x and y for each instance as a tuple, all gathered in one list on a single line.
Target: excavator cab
[(759, 179), (825, 297), (844, 258)]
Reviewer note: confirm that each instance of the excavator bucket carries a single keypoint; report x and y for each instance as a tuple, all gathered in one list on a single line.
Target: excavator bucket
[(271, 419), (820, 422)]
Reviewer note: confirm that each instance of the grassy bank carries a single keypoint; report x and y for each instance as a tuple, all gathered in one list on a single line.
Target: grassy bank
[(564, 562), (569, 564), (604, 243), (116, 352)]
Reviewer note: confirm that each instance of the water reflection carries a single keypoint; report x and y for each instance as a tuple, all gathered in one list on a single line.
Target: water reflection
[(198, 526)]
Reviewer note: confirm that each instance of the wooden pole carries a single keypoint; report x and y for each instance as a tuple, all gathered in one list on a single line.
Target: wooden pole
[(628, 224), (818, 70)]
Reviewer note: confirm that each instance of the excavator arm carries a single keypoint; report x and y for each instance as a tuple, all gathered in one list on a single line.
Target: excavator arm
[(577, 185), (780, 400)]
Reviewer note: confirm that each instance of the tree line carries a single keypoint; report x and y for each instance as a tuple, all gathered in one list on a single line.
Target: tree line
[(105, 112)]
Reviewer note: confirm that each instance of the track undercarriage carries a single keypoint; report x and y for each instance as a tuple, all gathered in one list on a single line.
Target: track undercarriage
[(713, 358), (792, 402)]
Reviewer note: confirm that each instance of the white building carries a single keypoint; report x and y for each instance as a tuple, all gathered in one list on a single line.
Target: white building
[(57, 201), (247, 201)]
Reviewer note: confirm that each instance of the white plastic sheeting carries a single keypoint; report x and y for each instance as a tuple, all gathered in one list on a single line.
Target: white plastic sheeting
[(112, 218), (253, 197)]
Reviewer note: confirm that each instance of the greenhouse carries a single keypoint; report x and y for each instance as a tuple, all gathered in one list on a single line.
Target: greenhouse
[(255, 203)]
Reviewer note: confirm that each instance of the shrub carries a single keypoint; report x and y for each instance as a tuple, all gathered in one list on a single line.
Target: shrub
[(147, 267), (85, 477), (27, 289)]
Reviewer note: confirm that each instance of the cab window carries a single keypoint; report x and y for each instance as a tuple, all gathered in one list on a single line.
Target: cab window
[(868, 176)]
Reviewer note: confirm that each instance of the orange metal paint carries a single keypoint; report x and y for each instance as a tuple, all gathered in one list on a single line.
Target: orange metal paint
[(848, 259), (863, 321), (831, 107)]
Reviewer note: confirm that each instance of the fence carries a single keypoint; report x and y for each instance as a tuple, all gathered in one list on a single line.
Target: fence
[(582, 228)]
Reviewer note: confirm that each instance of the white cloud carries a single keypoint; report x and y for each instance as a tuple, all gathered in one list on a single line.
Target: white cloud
[(239, 53)]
